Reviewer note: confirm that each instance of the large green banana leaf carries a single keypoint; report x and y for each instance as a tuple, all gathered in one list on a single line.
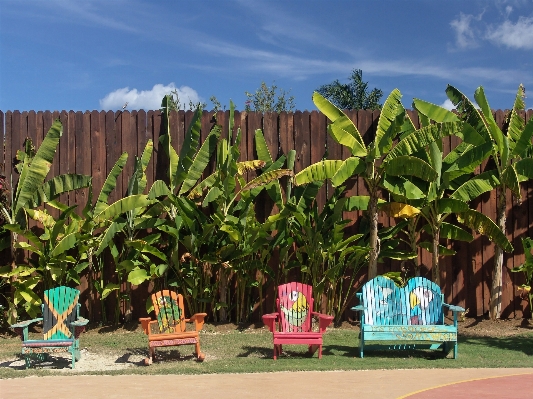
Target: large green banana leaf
[(516, 123), (406, 165), (343, 137), (469, 113), (114, 228), (349, 168), (484, 225), (122, 206), (33, 174), (384, 132), (477, 185), (492, 127), (52, 188), (110, 183), (434, 112), (423, 137), (524, 141), (319, 171), (266, 178), (188, 149), (201, 160)]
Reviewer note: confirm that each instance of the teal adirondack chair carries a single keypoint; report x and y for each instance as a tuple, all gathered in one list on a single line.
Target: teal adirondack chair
[(62, 326)]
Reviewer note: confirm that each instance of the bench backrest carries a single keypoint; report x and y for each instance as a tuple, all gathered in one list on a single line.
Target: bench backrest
[(60, 308), (418, 303), (169, 311), (295, 303)]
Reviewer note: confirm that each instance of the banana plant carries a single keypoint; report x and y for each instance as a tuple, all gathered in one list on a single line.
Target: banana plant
[(443, 197), (101, 221), (231, 201), (31, 191), (511, 151), (370, 163), (133, 253), (183, 173)]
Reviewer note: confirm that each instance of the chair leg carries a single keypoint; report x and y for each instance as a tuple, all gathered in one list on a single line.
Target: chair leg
[(275, 351), (151, 354), (199, 355)]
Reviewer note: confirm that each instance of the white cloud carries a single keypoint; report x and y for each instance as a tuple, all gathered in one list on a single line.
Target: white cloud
[(148, 99), (517, 36), (464, 34), (448, 105)]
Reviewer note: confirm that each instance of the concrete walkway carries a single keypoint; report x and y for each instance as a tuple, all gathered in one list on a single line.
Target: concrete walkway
[(381, 384)]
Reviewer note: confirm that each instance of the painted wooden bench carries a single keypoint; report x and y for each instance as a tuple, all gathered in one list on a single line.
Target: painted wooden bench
[(292, 322), (409, 317), (62, 326), (169, 328)]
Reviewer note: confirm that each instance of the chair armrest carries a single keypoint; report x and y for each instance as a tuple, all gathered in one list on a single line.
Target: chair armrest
[(454, 308), (270, 321), (324, 320), (358, 308), (80, 322), (22, 328), (79, 326), (26, 323), (198, 319), (145, 323)]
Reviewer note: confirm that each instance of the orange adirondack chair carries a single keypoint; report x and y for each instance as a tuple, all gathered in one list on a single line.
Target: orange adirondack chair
[(293, 319), (169, 328)]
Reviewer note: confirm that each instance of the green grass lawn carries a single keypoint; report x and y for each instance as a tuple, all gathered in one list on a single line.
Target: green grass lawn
[(250, 350)]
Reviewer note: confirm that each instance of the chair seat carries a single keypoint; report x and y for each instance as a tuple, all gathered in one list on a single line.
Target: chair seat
[(308, 338), (173, 336)]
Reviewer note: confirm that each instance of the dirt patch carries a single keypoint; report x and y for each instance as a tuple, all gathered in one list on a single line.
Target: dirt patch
[(494, 329)]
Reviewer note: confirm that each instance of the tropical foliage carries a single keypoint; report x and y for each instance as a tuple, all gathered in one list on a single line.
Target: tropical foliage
[(203, 229)]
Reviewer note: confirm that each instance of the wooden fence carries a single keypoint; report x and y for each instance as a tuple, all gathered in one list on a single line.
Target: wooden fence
[(93, 141)]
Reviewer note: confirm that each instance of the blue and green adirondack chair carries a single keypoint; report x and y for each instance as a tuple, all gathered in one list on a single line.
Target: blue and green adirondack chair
[(62, 325)]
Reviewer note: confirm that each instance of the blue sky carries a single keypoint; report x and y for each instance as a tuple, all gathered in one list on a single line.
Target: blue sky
[(86, 55)]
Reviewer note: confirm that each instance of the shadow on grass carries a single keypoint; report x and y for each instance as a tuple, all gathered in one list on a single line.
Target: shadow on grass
[(516, 343), (268, 353)]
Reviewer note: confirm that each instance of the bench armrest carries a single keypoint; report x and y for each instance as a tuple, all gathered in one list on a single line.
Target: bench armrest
[(270, 321), (198, 320), (454, 308), (324, 320)]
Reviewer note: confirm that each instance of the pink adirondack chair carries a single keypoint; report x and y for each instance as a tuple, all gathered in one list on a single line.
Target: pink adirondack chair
[(292, 324)]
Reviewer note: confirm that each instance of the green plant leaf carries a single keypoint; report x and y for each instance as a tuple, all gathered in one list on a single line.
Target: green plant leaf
[(319, 171), (406, 165), (484, 225), (434, 112), (33, 175), (473, 188), (110, 183)]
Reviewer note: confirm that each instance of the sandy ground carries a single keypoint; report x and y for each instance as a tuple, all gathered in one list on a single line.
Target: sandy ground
[(381, 384)]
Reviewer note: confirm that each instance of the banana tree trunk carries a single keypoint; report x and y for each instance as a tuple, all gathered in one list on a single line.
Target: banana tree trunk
[(223, 292), (374, 240), (435, 267), (495, 306)]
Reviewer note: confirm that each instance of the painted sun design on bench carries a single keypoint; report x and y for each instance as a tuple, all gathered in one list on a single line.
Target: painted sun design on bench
[(297, 309)]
